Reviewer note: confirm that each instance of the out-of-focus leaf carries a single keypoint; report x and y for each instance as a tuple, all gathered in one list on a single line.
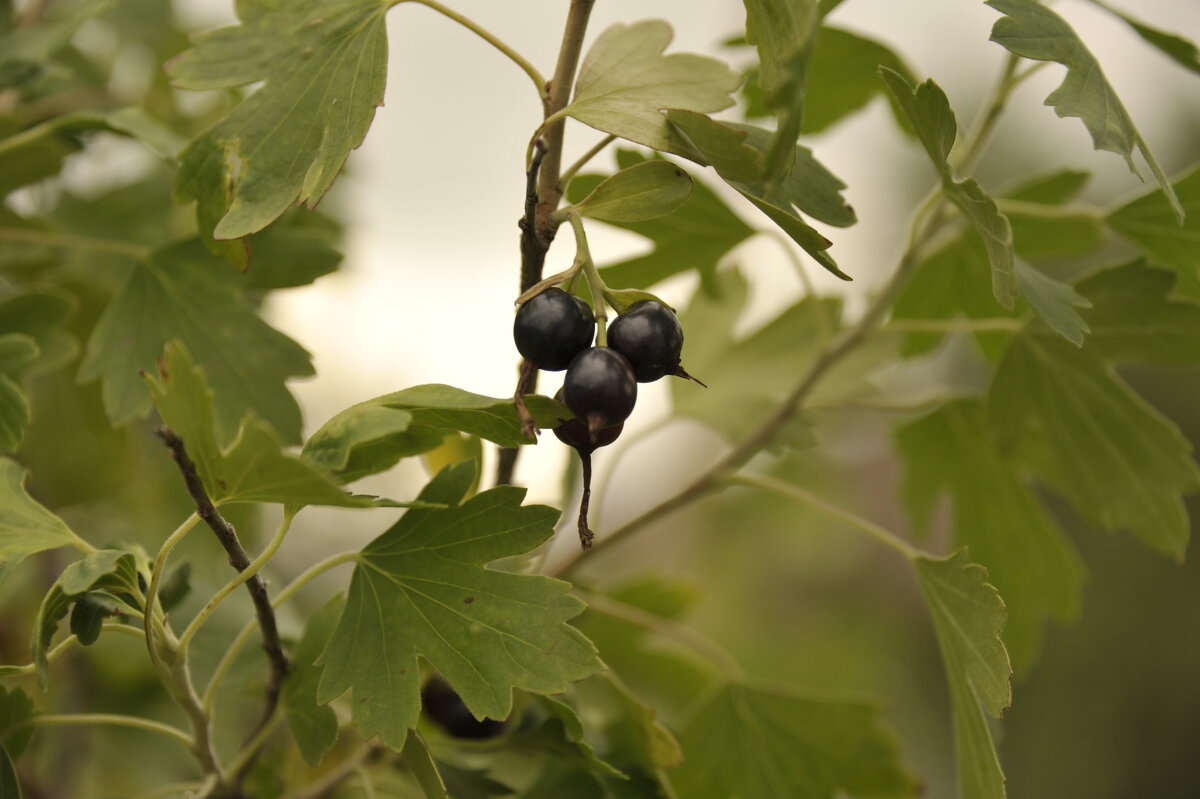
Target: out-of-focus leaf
[(1178, 49), (41, 316), (625, 82), (323, 64), (1149, 222), (26, 526), (254, 467), (374, 435), (15, 708), (968, 615), (110, 569), (16, 350), (996, 515), (14, 414), (24, 51), (644, 191), (175, 587), (929, 111), (464, 783), (1032, 30), (843, 76), (88, 615), (1134, 321), (422, 588), (696, 236), (1122, 464), (173, 295), (1054, 301), (561, 735), (10, 786), (314, 727), (762, 741)]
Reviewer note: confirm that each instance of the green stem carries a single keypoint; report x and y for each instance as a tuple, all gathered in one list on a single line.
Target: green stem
[(71, 241), (254, 568), (954, 325), (693, 640), (156, 577), (574, 168), (1044, 211), (251, 747), (583, 259), (72, 719), (226, 662), (70, 641), (880, 534), (539, 82)]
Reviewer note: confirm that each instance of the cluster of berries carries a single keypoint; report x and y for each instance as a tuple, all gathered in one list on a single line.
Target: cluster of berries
[(554, 331)]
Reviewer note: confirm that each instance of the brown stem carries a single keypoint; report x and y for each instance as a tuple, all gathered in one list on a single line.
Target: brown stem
[(238, 559), (585, 533)]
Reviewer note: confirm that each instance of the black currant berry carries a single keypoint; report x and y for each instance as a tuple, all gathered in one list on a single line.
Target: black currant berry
[(649, 335), (575, 433), (446, 708), (552, 328), (600, 388)]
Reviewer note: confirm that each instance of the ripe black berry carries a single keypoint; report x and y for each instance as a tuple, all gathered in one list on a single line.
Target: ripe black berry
[(552, 328), (649, 335), (446, 708), (575, 433), (600, 388)]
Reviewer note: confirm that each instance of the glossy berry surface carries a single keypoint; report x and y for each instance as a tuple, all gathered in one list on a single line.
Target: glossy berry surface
[(444, 706), (552, 328), (600, 388), (649, 335), (575, 433)]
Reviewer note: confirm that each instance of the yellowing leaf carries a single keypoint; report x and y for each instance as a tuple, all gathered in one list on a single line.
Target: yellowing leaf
[(625, 82), (324, 65), (422, 588), (968, 615), (1032, 30)]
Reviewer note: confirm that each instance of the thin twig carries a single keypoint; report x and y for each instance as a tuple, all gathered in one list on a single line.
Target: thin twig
[(347, 769), (238, 559), (574, 168)]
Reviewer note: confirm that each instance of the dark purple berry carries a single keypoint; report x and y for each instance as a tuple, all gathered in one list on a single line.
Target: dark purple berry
[(575, 433), (649, 335), (552, 328), (445, 707), (600, 388)]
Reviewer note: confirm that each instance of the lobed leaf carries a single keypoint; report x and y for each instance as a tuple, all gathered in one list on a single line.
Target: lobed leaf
[(16, 707), (754, 740), (247, 361), (1032, 30), (625, 82), (843, 76), (254, 466), (26, 527), (422, 589), (10, 786), (997, 515), (313, 727), (644, 191), (323, 64), (1178, 49), (1150, 223), (1133, 319), (968, 615)]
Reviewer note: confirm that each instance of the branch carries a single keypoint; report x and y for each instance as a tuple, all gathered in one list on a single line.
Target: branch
[(238, 559)]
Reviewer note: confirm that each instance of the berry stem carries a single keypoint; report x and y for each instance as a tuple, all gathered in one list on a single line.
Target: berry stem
[(585, 533), (583, 262)]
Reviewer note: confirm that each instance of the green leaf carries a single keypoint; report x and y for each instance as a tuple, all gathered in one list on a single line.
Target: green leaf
[(929, 111), (41, 316), (175, 587), (996, 514), (373, 435), (808, 186), (465, 783), (1178, 49), (760, 741), (422, 588), (314, 727), (696, 236), (172, 295), (644, 191), (16, 350), (783, 32), (1041, 230), (323, 64), (560, 734), (843, 76), (1133, 320), (419, 761), (14, 414), (106, 568), (968, 615), (625, 82), (1055, 302), (632, 734), (254, 467), (10, 786), (26, 526), (1149, 222), (89, 613), (16, 707), (1032, 30), (1121, 463)]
